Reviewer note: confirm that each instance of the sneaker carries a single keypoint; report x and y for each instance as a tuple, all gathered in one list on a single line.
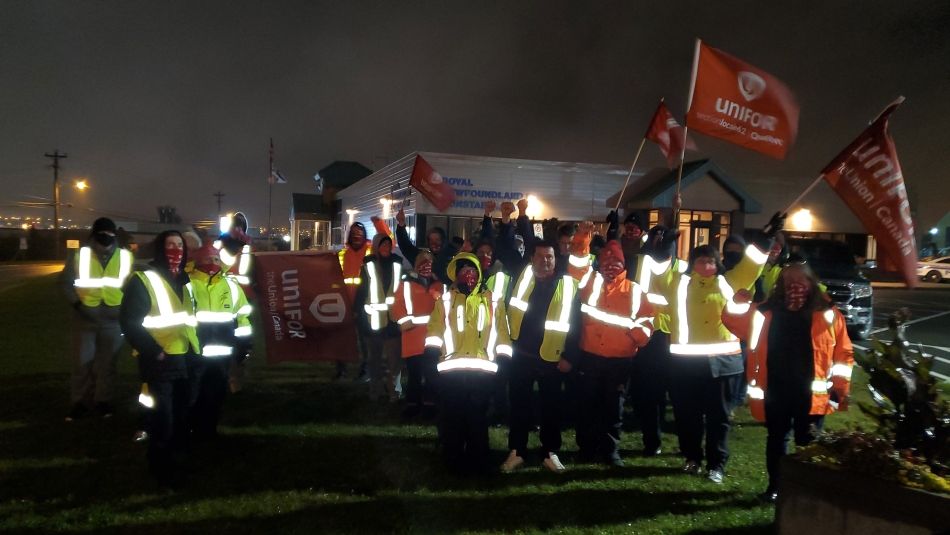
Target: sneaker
[(715, 476), (140, 436), (553, 464), (104, 410), (692, 468), (512, 463), (77, 411)]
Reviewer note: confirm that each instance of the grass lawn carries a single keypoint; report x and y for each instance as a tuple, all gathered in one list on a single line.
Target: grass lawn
[(302, 454)]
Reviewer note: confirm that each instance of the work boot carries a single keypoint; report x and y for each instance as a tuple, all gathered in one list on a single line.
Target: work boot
[(512, 463), (553, 464)]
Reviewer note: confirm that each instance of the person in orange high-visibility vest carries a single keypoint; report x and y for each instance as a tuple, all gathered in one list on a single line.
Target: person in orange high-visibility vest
[(799, 364), (351, 256), (616, 320), (415, 300)]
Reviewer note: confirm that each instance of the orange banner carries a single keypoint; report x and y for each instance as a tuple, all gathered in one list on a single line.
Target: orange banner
[(867, 176), (431, 185), (306, 312), (742, 104)]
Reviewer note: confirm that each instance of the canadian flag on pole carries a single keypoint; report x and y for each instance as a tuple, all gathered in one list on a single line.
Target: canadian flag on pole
[(668, 134), (867, 176), (740, 103)]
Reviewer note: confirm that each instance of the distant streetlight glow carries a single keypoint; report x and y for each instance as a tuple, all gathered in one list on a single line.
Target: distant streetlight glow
[(535, 207), (387, 203), (81, 185), (934, 231), (802, 220), (287, 238)]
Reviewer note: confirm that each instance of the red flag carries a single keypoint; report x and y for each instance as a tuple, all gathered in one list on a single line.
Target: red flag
[(305, 307), (741, 103), (668, 134), (867, 176), (430, 184)]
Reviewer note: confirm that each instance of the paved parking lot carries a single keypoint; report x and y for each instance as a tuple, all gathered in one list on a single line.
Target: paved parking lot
[(929, 325)]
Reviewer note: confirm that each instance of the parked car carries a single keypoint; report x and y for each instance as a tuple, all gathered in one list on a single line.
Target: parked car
[(934, 270), (851, 291)]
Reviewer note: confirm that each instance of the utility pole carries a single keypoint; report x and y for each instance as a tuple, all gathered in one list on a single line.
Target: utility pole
[(219, 195), (56, 156)]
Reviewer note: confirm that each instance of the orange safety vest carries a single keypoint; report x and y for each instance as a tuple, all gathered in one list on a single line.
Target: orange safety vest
[(833, 360), (351, 262), (413, 306), (616, 318)]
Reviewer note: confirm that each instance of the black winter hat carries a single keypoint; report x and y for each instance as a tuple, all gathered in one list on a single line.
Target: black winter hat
[(632, 217), (103, 224)]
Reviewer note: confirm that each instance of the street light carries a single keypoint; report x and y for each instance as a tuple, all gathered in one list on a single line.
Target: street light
[(81, 184)]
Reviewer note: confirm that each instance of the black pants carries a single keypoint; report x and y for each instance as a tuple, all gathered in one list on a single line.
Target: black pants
[(701, 404), (601, 383), (167, 425), (463, 427), (648, 385), (208, 378), (782, 417), (525, 371), (423, 378), (499, 397)]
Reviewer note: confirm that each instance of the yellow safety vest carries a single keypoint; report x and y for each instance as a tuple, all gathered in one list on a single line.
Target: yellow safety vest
[(497, 284), (353, 280), (220, 300), (379, 299), (171, 321), (96, 284), (557, 322), (467, 331)]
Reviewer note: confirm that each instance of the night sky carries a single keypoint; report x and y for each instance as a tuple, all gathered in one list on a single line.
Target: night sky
[(167, 102)]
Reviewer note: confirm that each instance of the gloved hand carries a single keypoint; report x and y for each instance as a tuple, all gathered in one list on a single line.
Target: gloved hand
[(613, 218), (775, 225)]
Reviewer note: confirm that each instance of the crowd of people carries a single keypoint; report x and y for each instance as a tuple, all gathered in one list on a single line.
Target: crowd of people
[(506, 328)]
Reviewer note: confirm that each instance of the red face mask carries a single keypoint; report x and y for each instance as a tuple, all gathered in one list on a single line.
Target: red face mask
[(173, 257), (795, 295), (611, 268), (467, 278), (705, 266)]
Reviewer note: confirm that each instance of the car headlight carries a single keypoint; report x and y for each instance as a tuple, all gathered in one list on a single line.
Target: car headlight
[(862, 291)]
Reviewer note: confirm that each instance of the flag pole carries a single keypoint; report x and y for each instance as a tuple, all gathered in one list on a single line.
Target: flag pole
[(630, 173), (689, 104), (270, 185), (806, 192)]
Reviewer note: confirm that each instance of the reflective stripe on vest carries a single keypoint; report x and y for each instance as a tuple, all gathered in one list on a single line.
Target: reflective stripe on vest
[(106, 283), (627, 322), (682, 346), (170, 323), (562, 324), (216, 350), (557, 322), (497, 293), (379, 302), (447, 334)]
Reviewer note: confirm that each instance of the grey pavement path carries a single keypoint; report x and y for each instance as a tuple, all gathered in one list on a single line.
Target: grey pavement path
[(15, 274)]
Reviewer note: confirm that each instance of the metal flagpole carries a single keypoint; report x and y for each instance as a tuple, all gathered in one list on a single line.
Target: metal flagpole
[(689, 103), (630, 173), (270, 185)]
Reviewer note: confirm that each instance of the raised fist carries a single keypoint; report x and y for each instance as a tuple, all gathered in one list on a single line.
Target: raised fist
[(401, 218), (489, 208), (523, 206), (613, 218)]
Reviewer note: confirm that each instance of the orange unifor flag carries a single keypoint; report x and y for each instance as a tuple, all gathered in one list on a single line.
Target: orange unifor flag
[(740, 103)]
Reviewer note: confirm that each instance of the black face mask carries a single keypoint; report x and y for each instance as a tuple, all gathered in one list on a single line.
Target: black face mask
[(103, 239), (731, 258)]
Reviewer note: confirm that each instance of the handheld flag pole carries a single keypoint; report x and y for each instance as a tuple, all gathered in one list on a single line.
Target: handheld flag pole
[(630, 173), (689, 103)]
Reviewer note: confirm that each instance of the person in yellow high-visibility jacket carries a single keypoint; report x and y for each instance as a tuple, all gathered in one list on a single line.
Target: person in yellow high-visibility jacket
[(705, 354), (224, 331), (157, 317), (541, 310), (92, 281), (468, 334)]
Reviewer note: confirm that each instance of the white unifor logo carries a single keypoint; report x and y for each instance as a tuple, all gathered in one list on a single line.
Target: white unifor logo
[(435, 178), (328, 308), (751, 85)]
